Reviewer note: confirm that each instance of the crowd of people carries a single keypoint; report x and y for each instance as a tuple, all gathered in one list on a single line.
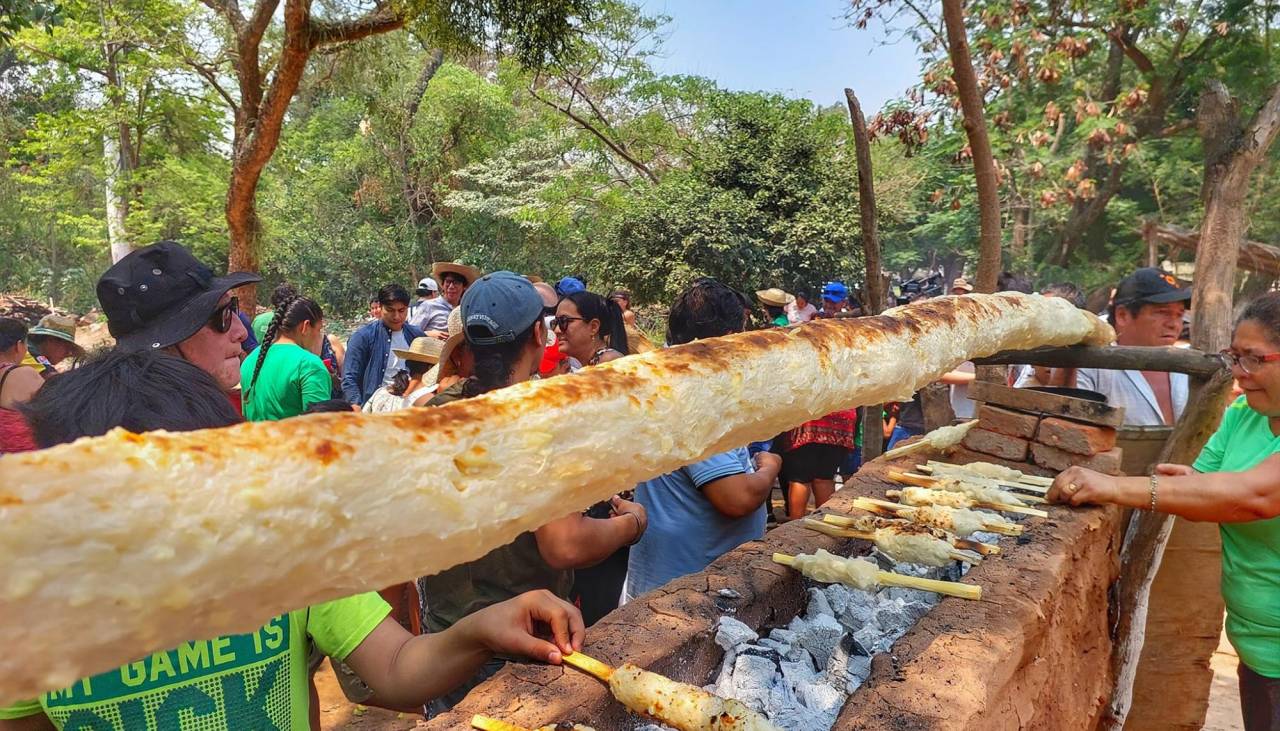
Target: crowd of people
[(185, 357)]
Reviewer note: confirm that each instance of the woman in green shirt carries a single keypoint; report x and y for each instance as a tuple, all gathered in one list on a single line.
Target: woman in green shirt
[(1235, 482), (284, 375)]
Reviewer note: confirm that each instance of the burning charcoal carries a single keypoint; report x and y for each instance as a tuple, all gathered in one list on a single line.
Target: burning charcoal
[(867, 640), (984, 537), (818, 603), (797, 718), (820, 637), (838, 664), (796, 674), (821, 697), (910, 595), (838, 596), (730, 633), (753, 678)]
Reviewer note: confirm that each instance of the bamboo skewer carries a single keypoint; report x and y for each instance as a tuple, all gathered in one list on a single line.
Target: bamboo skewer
[(888, 578), (909, 512), (1031, 483), (923, 481), (836, 531), (850, 529), (485, 723), (588, 665)]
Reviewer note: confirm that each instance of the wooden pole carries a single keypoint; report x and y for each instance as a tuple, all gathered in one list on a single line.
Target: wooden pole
[(975, 128), (873, 297), (873, 291), (1116, 357)]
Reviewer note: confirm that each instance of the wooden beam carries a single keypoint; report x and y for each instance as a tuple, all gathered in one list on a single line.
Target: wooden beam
[(1023, 399), (1254, 256), (1117, 357)]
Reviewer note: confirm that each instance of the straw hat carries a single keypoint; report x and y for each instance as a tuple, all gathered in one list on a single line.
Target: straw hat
[(444, 366), (422, 350), (961, 284), (775, 297), (469, 273), (62, 327)]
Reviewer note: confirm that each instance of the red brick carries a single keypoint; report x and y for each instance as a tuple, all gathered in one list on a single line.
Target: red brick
[(1074, 437), (1058, 460), (996, 444), (1012, 423)]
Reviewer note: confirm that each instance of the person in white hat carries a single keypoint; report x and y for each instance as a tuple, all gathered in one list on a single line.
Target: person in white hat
[(428, 290)]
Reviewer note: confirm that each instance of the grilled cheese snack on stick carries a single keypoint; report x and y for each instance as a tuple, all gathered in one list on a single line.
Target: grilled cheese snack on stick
[(679, 705), (942, 438), (143, 542), (961, 521), (485, 723), (867, 525), (900, 540), (861, 573)]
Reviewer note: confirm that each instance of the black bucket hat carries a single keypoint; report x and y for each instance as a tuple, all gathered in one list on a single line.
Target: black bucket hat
[(160, 295)]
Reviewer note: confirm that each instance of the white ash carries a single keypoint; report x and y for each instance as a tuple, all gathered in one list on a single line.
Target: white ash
[(800, 676)]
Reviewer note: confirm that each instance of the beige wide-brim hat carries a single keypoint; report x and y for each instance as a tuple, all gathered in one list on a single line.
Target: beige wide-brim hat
[(62, 327), (469, 273), (962, 284), (775, 297), (421, 350), (444, 366)]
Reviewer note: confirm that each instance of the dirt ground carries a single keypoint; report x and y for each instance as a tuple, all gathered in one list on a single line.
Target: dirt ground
[(1224, 695), (339, 714)]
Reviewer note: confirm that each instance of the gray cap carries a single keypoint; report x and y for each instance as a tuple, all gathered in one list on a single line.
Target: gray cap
[(499, 306)]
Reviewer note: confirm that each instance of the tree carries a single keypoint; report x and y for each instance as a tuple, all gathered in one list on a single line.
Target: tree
[(267, 77)]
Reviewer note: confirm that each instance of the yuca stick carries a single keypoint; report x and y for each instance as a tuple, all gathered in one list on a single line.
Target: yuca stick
[(884, 578), (144, 542), (486, 723), (913, 513), (946, 469), (846, 527), (884, 518), (981, 490), (679, 705), (906, 479), (944, 437)]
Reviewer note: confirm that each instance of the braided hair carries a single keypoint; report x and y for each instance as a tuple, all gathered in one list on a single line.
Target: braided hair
[(290, 313)]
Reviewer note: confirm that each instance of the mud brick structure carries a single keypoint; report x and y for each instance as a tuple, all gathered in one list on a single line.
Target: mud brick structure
[(1033, 653)]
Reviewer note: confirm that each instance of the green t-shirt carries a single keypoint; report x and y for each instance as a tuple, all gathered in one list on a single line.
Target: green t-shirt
[(292, 378), (261, 323), (253, 681), (1250, 551)]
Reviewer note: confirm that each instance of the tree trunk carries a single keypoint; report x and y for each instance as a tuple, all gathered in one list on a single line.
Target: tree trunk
[(1021, 228), (873, 294), (117, 203), (975, 128)]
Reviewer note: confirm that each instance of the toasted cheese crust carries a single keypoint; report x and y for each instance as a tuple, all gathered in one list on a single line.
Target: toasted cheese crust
[(122, 545), (680, 705)]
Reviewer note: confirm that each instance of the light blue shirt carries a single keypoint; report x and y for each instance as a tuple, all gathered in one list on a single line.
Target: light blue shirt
[(686, 532)]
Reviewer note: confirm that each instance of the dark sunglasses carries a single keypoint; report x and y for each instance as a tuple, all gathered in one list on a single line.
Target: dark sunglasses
[(222, 317), (562, 322)]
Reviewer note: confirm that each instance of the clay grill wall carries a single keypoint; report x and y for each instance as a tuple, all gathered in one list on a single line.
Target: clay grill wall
[(1032, 654)]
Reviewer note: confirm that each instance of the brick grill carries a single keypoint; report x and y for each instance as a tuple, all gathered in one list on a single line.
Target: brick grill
[(998, 663)]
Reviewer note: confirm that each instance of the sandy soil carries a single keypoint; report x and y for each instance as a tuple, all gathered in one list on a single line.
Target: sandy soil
[(1224, 695), (339, 714)]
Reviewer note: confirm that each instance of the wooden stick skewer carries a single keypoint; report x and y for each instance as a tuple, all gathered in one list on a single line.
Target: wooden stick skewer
[(837, 532), (923, 481), (1031, 483), (885, 507), (485, 723), (965, 544), (975, 481), (888, 578), (588, 665)]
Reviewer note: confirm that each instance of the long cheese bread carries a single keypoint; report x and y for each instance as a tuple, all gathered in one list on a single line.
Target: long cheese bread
[(118, 546)]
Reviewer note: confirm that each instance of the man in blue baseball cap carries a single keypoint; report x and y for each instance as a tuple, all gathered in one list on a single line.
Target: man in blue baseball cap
[(835, 299), (570, 285), (502, 320)]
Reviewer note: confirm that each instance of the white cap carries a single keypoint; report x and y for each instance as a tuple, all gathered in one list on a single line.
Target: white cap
[(428, 284)]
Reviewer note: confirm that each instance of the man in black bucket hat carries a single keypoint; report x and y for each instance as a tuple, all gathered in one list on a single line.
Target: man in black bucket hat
[(162, 297)]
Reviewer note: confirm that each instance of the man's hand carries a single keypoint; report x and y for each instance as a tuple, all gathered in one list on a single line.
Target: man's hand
[(437, 334), (1079, 486), (768, 463), (1174, 470), (636, 510), (513, 627)]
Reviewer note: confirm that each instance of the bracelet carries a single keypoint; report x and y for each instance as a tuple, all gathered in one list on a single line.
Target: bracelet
[(1155, 482), (639, 530)]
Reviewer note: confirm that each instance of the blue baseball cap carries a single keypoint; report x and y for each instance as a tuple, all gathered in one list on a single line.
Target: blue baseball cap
[(835, 292), (498, 307), (570, 285)]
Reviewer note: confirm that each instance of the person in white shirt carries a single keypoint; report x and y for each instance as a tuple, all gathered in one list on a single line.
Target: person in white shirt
[(428, 289), (801, 310), (1147, 311)]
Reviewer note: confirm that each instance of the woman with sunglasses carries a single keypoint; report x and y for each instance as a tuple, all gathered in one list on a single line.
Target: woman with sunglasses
[(1234, 482), (590, 328), (284, 375)]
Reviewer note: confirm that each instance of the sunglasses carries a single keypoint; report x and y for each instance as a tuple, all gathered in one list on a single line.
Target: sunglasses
[(562, 322), (1248, 363), (222, 317)]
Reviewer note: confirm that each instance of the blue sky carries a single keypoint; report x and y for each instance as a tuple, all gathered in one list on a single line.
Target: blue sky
[(801, 48)]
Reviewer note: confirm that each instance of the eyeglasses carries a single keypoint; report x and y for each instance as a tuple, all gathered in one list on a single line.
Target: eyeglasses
[(1248, 363), (562, 322), (222, 317)]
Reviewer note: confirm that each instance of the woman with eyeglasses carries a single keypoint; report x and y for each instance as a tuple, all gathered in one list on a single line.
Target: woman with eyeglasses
[(1234, 482), (590, 328), (284, 375)]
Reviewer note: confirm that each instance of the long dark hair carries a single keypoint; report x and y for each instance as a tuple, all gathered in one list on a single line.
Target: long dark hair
[(493, 363), (139, 390), (707, 309), (595, 307), (290, 313)]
